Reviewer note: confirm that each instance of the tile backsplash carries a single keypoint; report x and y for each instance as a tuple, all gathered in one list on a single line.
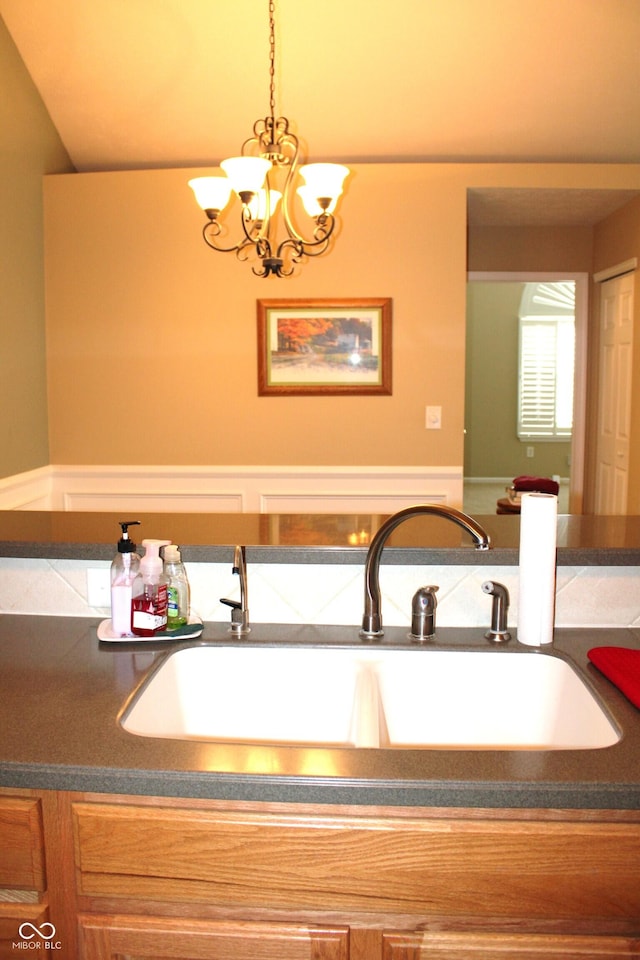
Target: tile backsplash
[(333, 593)]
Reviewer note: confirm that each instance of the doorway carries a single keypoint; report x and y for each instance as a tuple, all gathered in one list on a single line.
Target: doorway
[(497, 445)]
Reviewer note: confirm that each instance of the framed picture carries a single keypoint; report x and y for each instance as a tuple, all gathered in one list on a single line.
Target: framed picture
[(324, 347)]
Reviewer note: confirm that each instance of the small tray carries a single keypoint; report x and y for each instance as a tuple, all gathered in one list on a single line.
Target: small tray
[(191, 629)]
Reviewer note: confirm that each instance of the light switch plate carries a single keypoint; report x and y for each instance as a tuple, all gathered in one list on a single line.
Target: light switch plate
[(434, 418)]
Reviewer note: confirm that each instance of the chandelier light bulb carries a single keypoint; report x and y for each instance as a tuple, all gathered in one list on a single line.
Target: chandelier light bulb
[(246, 174), (324, 179), (259, 209), (310, 200), (212, 193)]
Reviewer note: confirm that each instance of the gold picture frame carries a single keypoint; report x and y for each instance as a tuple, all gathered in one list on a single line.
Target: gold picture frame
[(324, 347)]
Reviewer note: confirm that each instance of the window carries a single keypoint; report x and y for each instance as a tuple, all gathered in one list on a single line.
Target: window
[(545, 401)]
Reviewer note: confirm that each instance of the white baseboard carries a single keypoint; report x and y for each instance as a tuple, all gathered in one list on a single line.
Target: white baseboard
[(230, 489)]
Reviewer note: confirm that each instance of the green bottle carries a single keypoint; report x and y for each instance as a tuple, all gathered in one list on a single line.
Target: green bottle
[(177, 588)]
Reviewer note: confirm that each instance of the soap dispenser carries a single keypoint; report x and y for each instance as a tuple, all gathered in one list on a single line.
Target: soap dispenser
[(149, 603), (124, 570)]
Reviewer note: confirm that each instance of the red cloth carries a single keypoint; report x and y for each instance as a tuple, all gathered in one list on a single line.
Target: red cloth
[(536, 485), (621, 665)]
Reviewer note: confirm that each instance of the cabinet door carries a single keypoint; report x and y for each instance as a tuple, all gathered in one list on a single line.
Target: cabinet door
[(146, 938), (21, 844), (508, 946), (22, 873), (12, 917)]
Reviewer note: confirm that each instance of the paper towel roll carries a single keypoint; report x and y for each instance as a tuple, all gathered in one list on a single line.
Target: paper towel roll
[(537, 574)]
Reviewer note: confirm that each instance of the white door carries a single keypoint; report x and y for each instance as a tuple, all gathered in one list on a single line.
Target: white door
[(614, 395)]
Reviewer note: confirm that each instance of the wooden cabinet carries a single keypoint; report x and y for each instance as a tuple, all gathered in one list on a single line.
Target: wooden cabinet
[(147, 938), (508, 946), (506, 868), (22, 844), (23, 898), (146, 877)]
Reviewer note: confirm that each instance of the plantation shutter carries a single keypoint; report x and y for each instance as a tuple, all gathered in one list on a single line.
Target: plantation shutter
[(546, 367)]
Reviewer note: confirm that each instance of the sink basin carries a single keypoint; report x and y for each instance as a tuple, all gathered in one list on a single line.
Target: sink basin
[(370, 697), (493, 700)]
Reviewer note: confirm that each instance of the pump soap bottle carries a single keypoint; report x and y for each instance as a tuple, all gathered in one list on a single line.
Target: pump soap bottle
[(124, 569), (177, 588), (149, 604)]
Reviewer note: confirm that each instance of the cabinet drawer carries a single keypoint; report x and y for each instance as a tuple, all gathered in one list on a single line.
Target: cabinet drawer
[(499, 868), (21, 844), (508, 946), (146, 938)]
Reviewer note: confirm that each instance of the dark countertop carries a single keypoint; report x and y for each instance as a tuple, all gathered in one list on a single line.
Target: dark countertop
[(61, 691), (313, 538)]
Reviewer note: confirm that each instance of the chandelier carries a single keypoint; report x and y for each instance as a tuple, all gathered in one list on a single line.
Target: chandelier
[(271, 155)]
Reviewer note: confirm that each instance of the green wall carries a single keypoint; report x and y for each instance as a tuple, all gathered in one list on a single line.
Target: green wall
[(492, 448), (29, 147)]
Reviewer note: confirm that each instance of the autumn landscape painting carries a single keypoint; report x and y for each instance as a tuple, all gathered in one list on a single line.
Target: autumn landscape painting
[(332, 347)]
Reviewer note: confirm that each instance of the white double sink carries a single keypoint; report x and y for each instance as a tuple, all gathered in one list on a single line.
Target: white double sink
[(370, 697)]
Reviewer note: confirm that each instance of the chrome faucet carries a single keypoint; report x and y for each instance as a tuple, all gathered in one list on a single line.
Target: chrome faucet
[(372, 617), (239, 611)]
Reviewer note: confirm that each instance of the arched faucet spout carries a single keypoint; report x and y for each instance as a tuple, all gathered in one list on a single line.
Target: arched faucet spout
[(372, 617)]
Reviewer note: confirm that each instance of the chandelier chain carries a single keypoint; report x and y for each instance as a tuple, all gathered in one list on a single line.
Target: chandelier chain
[(272, 58)]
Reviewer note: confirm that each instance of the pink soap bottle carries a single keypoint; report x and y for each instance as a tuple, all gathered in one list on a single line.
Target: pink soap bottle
[(149, 602)]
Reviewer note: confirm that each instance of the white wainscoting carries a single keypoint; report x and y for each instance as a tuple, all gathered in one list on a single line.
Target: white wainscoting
[(231, 489), (27, 491)]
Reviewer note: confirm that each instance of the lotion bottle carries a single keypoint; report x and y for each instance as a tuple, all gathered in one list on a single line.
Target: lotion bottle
[(124, 570), (149, 603), (177, 588)]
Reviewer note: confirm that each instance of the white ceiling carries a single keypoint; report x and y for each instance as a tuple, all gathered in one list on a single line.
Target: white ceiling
[(170, 83)]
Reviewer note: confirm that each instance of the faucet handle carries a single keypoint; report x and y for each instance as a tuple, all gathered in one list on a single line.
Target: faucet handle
[(234, 604), (239, 617), (423, 614)]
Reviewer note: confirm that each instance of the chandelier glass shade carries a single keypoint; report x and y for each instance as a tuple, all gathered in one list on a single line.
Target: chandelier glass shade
[(264, 178)]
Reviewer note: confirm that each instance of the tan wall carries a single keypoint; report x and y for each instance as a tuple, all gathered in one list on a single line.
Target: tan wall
[(29, 147), (618, 239), (151, 336), (515, 249)]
